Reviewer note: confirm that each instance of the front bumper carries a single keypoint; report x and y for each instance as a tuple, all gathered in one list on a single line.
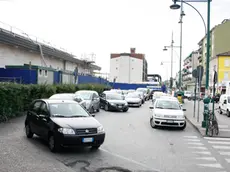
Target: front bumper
[(77, 140), (169, 122), (134, 104), (118, 108)]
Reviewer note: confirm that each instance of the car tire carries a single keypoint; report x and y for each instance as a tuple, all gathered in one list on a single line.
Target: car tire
[(106, 107), (125, 110), (152, 123), (98, 110), (28, 131), (220, 111), (53, 145), (182, 128), (96, 147), (228, 113)]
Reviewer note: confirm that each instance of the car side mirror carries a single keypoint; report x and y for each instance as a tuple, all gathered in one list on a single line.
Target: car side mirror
[(151, 107), (184, 109)]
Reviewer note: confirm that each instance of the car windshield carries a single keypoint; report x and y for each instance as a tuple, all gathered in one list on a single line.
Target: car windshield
[(62, 96), (85, 95), (132, 96), (168, 104), (114, 97), (67, 110)]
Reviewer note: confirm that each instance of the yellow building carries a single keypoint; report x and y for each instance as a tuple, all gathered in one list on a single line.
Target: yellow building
[(221, 64)]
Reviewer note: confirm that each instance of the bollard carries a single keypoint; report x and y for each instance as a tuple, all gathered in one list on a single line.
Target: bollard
[(206, 111)]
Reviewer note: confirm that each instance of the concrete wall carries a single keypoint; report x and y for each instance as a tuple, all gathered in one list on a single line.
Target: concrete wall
[(126, 69)]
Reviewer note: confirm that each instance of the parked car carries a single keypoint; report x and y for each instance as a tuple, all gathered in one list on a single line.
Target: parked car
[(224, 104), (217, 98), (133, 99), (63, 123), (113, 101), (69, 96), (131, 90), (188, 95), (92, 100), (141, 94), (167, 113), (145, 91)]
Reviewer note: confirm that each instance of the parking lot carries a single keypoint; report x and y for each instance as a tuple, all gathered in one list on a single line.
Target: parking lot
[(130, 145)]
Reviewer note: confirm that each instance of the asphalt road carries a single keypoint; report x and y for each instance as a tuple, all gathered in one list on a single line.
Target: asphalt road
[(130, 145)]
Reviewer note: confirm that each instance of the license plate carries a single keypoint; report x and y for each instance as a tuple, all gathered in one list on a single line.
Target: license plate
[(87, 140), (170, 121), (119, 106)]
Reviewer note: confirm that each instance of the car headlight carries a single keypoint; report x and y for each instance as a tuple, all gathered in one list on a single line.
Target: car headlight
[(181, 116), (112, 104), (66, 131), (100, 129), (126, 103)]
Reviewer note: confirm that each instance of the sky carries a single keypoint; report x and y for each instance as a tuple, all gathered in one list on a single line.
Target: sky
[(103, 27)]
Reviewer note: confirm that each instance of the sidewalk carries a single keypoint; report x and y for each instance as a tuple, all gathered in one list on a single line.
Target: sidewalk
[(223, 120)]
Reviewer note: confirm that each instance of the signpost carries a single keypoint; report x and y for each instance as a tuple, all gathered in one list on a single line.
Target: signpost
[(200, 71), (194, 74)]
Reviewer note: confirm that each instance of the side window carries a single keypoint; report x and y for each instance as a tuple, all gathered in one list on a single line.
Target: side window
[(44, 109), (96, 95), (103, 95), (36, 106)]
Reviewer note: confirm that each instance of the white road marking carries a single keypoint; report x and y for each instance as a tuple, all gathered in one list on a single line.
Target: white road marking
[(223, 126), (228, 160), (224, 153), (192, 140), (217, 165), (128, 159), (191, 137), (221, 147), (224, 129), (219, 142), (217, 138), (194, 143), (207, 158), (198, 147), (203, 152)]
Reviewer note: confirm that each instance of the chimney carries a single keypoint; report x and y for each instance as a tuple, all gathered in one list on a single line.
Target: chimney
[(132, 50)]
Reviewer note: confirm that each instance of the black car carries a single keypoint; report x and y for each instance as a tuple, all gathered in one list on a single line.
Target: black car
[(63, 123), (113, 101)]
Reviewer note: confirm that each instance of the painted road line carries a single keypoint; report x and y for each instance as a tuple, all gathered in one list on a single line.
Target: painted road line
[(192, 140), (222, 147), (217, 165), (224, 153), (191, 137), (216, 138), (198, 147), (206, 158), (228, 160), (194, 143), (223, 126), (203, 152), (219, 142)]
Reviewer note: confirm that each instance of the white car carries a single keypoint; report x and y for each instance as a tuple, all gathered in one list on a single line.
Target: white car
[(167, 113), (133, 99)]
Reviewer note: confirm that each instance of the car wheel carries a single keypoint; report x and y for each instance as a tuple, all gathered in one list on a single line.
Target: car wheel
[(220, 111), (53, 146), (106, 107), (28, 131), (228, 113), (98, 110), (125, 110), (152, 124), (182, 128), (96, 147)]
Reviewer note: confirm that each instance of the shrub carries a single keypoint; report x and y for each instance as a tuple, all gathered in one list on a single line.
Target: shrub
[(15, 98)]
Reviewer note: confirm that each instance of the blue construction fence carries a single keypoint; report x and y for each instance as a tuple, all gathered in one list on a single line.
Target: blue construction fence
[(126, 86)]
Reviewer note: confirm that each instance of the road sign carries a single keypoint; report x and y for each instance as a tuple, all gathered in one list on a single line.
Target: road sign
[(191, 0), (194, 73), (200, 71)]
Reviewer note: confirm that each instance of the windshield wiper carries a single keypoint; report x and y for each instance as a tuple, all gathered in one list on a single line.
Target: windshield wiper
[(59, 116), (75, 116), (159, 107)]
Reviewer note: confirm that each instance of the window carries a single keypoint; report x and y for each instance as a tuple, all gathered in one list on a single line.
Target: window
[(36, 106), (46, 73), (44, 109), (226, 62), (40, 72), (225, 75)]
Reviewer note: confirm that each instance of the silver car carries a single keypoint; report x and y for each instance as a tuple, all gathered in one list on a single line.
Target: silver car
[(92, 100), (69, 96), (133, 99)]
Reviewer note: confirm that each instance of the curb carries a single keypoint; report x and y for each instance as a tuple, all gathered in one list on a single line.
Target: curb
[(195, 127)]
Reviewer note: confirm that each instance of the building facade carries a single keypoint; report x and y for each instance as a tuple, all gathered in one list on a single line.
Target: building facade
[(128, 67), (219, 43)]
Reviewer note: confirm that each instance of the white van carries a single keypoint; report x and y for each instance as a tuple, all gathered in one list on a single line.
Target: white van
[(224, 104)]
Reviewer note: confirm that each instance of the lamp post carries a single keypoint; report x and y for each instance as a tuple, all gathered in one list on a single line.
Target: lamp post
[(165, 49)]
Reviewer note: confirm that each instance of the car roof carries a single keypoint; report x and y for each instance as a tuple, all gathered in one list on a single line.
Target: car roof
[(90, 91), (63, 94), (50, 101)]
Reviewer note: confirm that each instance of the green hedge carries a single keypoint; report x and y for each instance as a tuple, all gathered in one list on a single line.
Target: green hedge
[(15, 98)]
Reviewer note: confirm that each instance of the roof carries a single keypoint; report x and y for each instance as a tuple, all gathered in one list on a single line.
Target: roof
[(13, 39), (224, 54), (134, 55)]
